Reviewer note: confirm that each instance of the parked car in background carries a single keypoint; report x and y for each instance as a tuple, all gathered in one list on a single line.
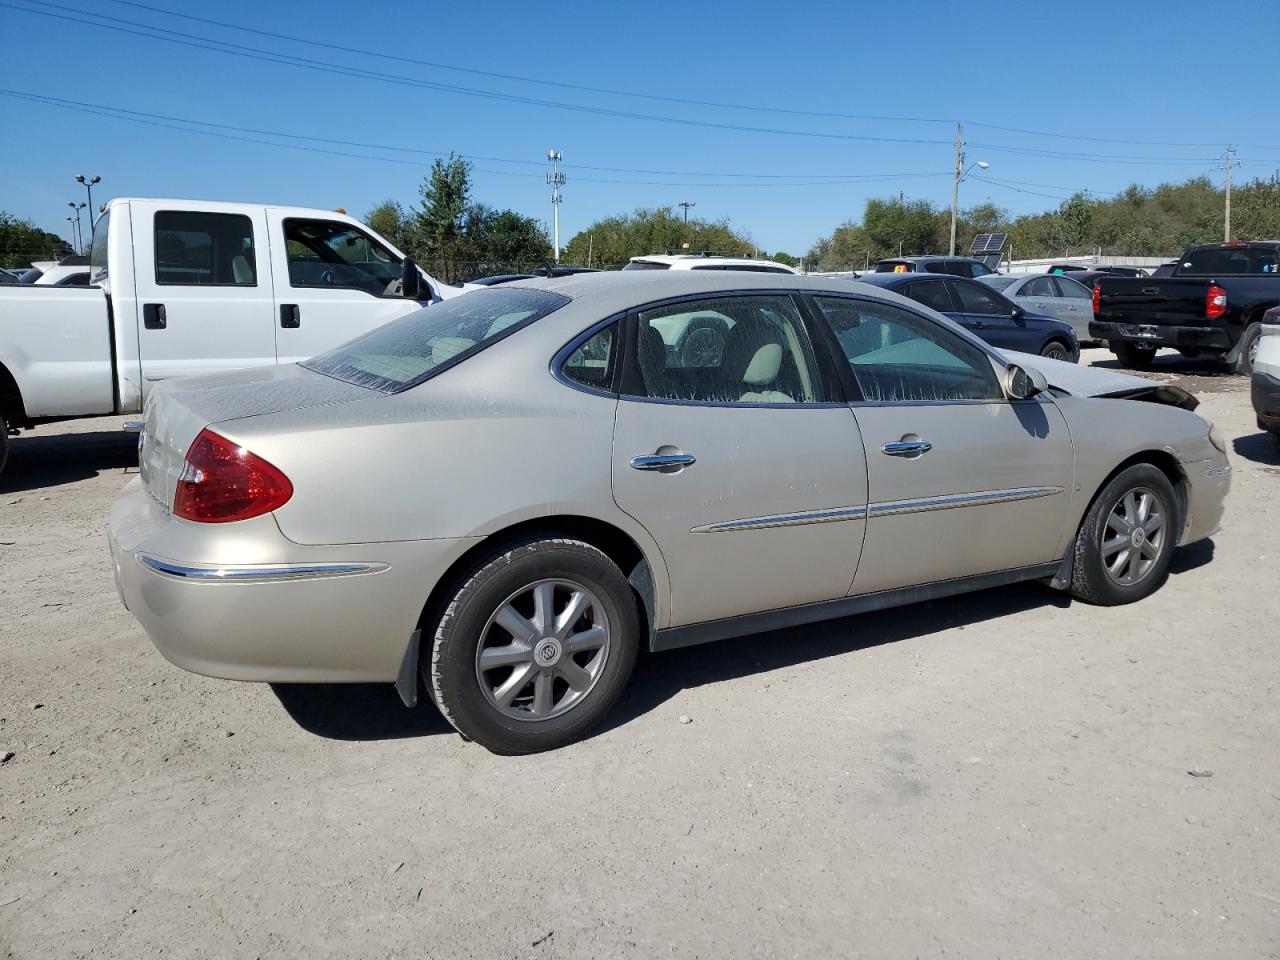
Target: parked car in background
[(186, 287), (1051, 296), (71, 270), (1266, 375), (705, 261), (985, 312), (499, 278), (1074, 268), (956, 266), (7, 276), (356, 518), (1212, 305)]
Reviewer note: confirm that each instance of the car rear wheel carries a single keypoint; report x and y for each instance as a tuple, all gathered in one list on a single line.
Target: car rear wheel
[(535, 647), (1135, 356), (1057, 350), (1126, 541)]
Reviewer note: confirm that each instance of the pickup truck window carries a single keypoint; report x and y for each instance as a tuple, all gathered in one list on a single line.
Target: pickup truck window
[(204, 249), (326, 253), (1234, 260), (98, 252)]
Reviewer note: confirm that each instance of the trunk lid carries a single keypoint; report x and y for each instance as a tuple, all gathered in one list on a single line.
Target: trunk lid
[(178, 410), (1161, 301)]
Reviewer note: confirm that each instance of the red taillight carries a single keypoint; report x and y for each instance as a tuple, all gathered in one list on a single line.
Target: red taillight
[(222, 482), (1215, 301), (1097, 296)]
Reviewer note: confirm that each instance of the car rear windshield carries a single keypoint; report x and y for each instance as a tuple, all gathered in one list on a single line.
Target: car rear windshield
[(1230, 260), (894, 266), (415, 348)]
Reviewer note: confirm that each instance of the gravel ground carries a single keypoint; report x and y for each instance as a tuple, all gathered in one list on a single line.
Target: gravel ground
[(999, 775)]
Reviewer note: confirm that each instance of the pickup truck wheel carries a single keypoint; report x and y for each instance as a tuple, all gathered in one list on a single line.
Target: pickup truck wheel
[(1126, 540), (535, 647), (1134, 356), (1057, 350), (1248, 350)]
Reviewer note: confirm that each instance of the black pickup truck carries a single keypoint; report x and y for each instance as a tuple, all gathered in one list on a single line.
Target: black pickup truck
[(1209, 306)]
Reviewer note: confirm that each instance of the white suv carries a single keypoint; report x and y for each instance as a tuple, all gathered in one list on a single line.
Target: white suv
[(705, 261)]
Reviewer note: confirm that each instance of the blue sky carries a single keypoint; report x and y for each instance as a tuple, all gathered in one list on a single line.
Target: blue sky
[(1139, 72)]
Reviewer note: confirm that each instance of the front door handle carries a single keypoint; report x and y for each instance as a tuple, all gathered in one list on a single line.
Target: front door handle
[(154, 317), (290, 318), (666, 462), (906, 448)]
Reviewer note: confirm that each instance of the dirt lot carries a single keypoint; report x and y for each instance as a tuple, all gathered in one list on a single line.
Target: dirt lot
[(998, 775)]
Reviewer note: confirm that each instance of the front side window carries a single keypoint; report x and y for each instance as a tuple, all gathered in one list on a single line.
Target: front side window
[(1039, 287), (975, 298), (326, 253), (204, 249), (408, 351), (897, 356), (591, 364), (739, 350), (932, 293)]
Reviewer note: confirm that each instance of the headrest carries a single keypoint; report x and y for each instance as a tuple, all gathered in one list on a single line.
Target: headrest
[(653, 349), (764, 366), (752, 352), (241, 272)]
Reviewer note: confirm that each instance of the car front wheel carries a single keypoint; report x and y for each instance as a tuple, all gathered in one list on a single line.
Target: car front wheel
[(1057, 350), (1126, 540), (535, 646)]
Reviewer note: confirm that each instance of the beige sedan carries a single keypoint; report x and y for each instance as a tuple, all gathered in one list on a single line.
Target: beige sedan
[(508, 493)]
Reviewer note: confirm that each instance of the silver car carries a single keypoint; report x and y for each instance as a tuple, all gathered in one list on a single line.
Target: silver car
[(1053, 296), (510, 492)]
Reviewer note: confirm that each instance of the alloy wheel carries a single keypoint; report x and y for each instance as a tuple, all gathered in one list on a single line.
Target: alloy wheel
[(543, 650), (1134, 535)]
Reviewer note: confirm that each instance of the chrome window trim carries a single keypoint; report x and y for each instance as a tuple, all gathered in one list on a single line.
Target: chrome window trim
[(564, 353), (284, 571), (890, 508), (724, 403), (834, 515)]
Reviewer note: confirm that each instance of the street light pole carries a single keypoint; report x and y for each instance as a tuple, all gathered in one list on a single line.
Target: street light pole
[(88, 187), (72, 230), (79, 234)]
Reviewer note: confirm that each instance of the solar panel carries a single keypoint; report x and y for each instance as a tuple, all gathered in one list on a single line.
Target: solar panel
[(988, 243)]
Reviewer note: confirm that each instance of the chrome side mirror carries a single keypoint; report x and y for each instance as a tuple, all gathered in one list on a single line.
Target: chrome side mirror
[(1021, 383)]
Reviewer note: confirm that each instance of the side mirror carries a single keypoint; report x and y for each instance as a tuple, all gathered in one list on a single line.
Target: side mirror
[(1021, 383), (410, 280), (1018, 312)]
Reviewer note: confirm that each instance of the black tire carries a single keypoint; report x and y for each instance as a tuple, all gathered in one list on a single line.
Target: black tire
[(455, 676), (1059, 350), (1132, 355), (1090, 579), (1248, 346), (1275, 439), (4, 442)]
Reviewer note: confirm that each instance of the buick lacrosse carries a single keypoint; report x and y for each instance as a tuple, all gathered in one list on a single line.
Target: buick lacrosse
[(508, 493)]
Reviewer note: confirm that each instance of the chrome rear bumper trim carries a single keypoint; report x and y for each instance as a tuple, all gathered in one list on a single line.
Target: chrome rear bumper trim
[(287, 571)]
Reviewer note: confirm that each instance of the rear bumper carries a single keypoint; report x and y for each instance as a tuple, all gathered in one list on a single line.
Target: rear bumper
[(1265, 392), (1160, 335), (245, 603)]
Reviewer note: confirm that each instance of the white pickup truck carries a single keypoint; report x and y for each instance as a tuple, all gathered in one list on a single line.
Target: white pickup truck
[(184, 287)]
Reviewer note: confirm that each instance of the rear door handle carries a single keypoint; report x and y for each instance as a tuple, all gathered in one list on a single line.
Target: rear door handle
[(669, 462), (154, 317), (906, 448), (290, 317)]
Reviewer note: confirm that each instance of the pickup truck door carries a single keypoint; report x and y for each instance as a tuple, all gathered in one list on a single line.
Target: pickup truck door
[(334, 281), (203, 289)]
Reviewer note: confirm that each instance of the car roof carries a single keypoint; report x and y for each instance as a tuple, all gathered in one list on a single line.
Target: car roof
[(892, 279), (929, 258)]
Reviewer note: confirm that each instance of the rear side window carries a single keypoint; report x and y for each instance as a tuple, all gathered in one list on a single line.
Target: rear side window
[(408, 351), (196, 249), (976, 298), (1072, 290), (1039, 287), (591, 365)]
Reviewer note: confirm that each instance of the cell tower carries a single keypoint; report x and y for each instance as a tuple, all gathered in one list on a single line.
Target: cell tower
[(556, 180)]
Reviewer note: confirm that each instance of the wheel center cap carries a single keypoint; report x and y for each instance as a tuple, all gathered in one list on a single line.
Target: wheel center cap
[(547, 652), (1138, 537)]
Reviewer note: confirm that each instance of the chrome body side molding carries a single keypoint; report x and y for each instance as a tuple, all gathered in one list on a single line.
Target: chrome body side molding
[(784, 520), (711, 630), (285, 571)]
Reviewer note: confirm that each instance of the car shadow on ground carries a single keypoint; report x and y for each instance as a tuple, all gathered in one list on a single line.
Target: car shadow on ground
[(50, 461), (374, 711), (1257, 448)]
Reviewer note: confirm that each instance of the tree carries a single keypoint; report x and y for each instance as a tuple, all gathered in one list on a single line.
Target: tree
[(613, 241), (438, 221), (21, 242), (389, 220), (1075, 215), (785, 258)]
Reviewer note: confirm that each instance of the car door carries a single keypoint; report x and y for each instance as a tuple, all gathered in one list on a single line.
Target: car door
[(992, 316), (739, 457), (204, 293), (334, 282), (1078, 300), (1040, 295), (961, 480)]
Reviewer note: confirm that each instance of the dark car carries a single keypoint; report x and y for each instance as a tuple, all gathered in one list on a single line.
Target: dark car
[(989, 314), (955, 266)]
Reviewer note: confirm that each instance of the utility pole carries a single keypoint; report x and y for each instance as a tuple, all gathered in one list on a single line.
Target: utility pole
[(955, 185), (556, 180), (1226, 226), (686, 204)]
